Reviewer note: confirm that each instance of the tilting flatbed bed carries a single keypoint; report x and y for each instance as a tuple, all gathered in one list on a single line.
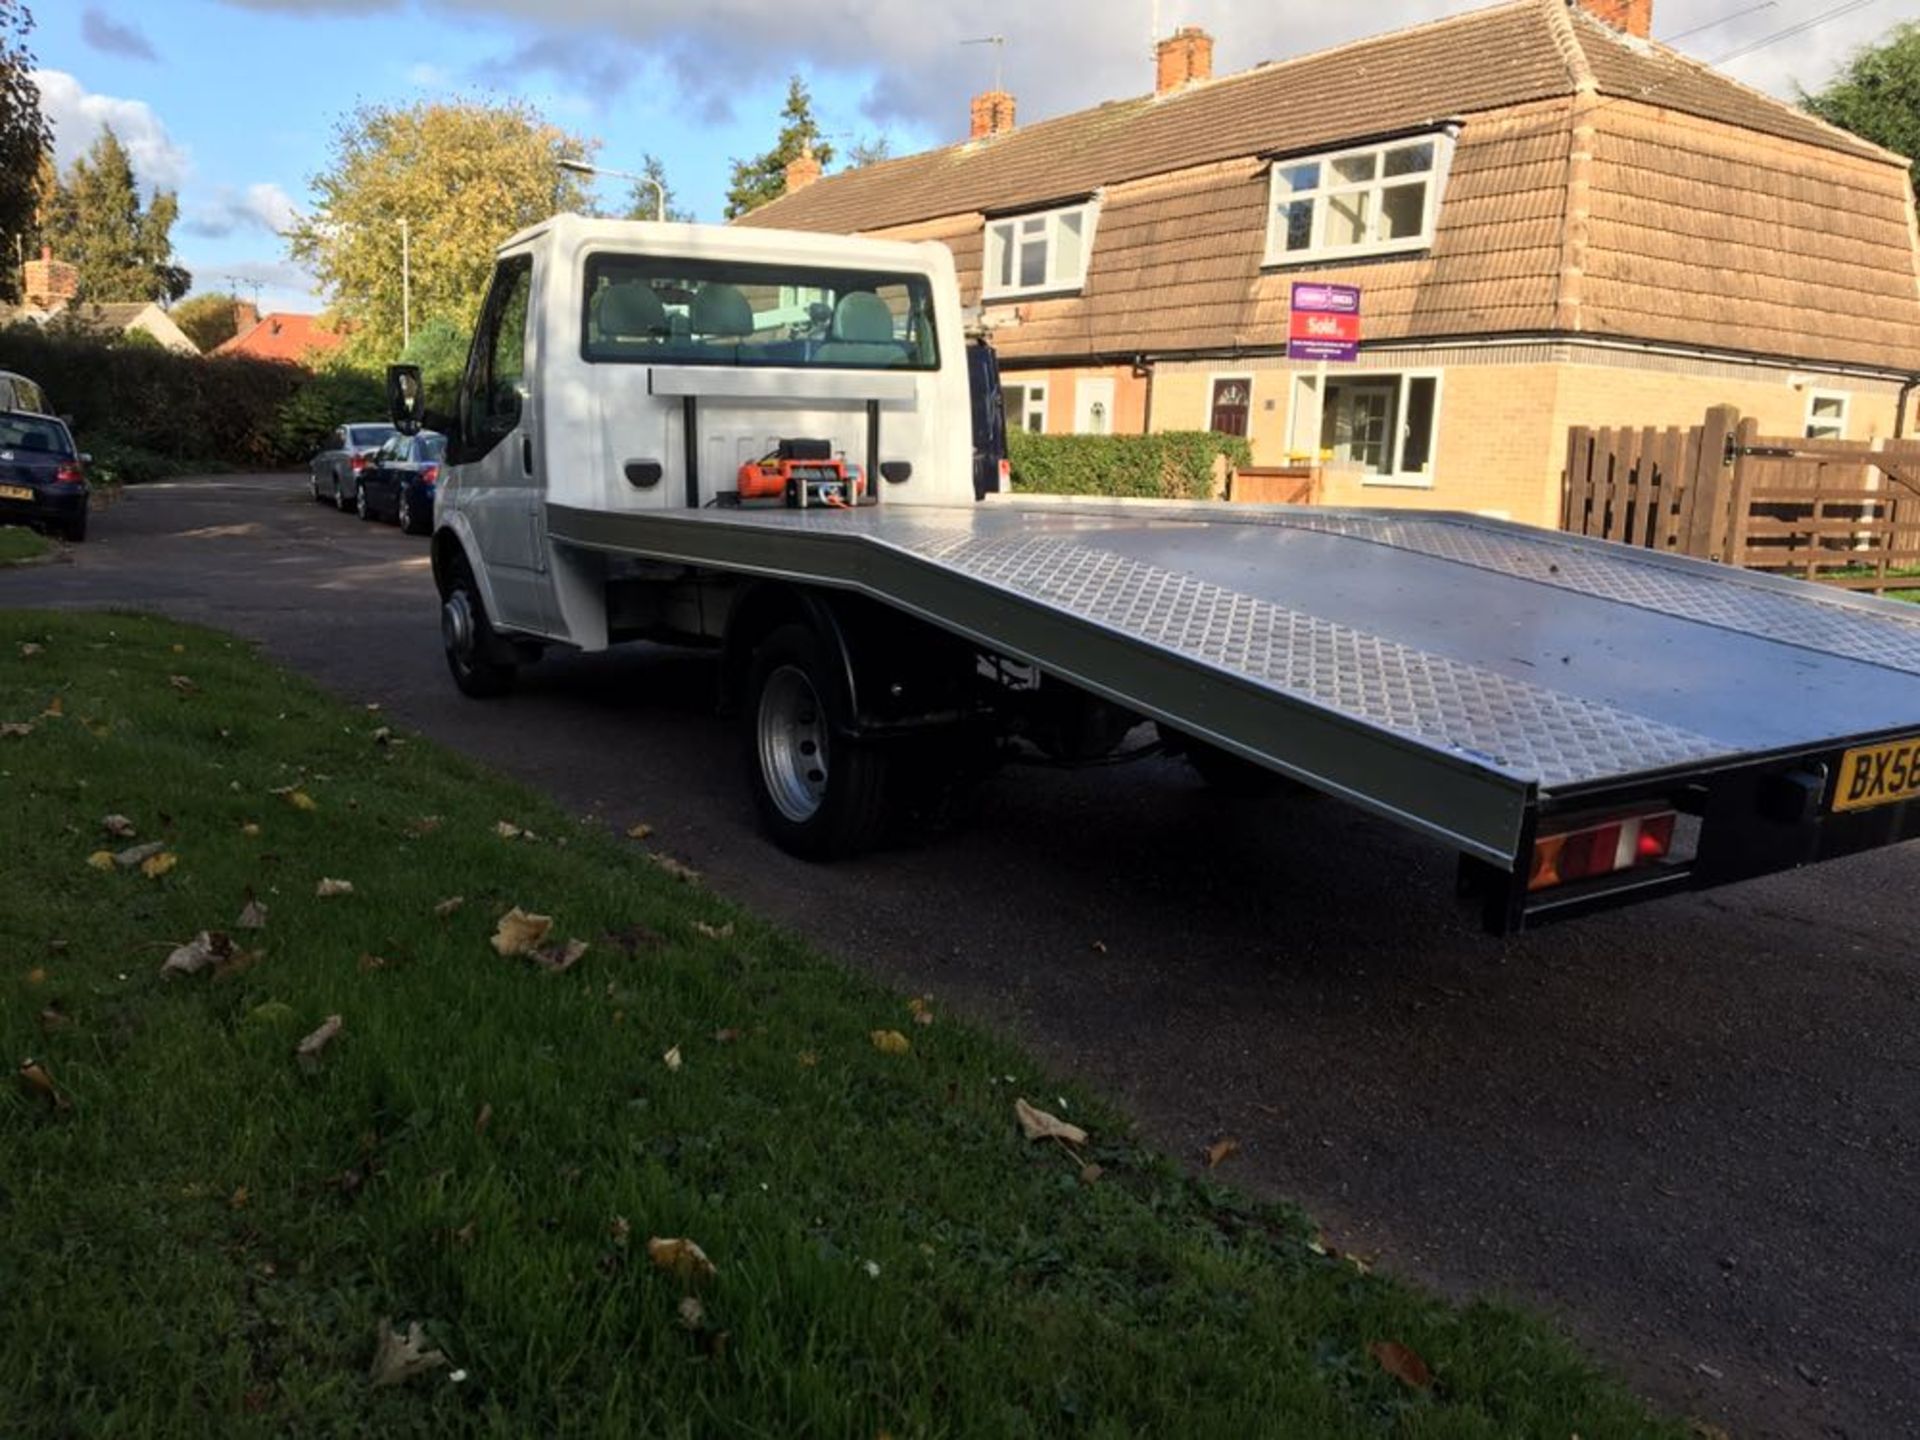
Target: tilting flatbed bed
[(1461, 676)]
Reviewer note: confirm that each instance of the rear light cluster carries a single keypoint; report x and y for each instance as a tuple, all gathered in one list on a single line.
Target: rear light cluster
[(70, 473), (1602, 847), (430, 475), (359, 463)]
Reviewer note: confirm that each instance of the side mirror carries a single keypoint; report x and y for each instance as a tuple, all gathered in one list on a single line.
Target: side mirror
[(406, 398)]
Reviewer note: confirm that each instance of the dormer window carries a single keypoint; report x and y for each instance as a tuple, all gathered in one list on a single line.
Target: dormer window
[(1371, 200), (1038, 254)]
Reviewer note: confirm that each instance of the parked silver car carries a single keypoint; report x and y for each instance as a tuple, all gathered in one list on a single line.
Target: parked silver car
[(334, 473)]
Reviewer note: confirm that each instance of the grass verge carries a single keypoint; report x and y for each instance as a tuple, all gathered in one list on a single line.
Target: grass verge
[(19, 544), (200, 1234)]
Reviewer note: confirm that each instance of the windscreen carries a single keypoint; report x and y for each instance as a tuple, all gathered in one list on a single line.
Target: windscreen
[(369, 434), (647, 309), (32, 435), (430, 447)]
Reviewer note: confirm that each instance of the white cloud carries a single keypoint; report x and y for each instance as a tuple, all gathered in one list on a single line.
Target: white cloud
[(78, 116), (264, 206), (428, 76), (1060, 54)]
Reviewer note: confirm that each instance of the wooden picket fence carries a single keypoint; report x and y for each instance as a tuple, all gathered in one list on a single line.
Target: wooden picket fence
[(1843, 511)]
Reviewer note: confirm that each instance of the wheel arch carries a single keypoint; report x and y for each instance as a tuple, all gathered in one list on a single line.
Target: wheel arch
[(762, 607)]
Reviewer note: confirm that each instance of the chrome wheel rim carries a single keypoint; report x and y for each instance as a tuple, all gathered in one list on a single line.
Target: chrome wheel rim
[(405, 516), (792, 733), (456, 628)]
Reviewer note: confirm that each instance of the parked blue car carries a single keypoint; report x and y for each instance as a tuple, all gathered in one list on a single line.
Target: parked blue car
[(399, 481)]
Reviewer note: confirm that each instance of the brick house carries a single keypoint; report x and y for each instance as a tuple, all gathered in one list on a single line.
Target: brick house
[(279, 335), (1553, 219)]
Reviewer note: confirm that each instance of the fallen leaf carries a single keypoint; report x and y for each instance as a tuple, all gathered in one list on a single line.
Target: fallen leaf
[(37, 975), (138, 854), (466, 1234), (238, 1200), (209, 947), (672, 1059), (890, 1042), (238, 963), (182, 683), (423, 825), (250, 830), (101, 860), (28, 649), (1221, 1150), (398, 1358), (558, 959), (118, 826), (921, 1007), (679, 1257), (37, 1082), (53, 1018), (1099, 947), (328, 888), (685, 874), (370, 963), (1401, 1363), (726, 1036), (382, 735), (1090, 1174), (308, 1050), (1039, 1125), (639, 832), (16, 729), (693, 1315), (507, 830), (253, 916), (154, 866), (619, 1230), (447, 906), (808, 1059), (714, 932), (520, 933), (300, 800), (56, 708)]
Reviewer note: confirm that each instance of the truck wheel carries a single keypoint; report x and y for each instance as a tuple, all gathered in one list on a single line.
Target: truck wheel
[(469, 640), (820, 796)]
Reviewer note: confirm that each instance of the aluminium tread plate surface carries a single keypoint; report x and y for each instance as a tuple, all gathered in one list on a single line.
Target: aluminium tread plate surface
[(1542, 659)]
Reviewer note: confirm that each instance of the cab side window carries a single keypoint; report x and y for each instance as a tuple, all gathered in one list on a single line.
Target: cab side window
[(491, 398)]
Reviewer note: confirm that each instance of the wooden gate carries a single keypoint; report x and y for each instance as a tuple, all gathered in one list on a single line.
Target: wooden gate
[(1843, 511)]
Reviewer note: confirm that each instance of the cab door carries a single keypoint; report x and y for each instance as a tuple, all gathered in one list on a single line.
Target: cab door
[(500, 485)]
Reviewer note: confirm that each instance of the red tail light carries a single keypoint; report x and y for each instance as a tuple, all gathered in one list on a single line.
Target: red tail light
[(1600, 848), (70, 473), (431, 475), (359, 462)]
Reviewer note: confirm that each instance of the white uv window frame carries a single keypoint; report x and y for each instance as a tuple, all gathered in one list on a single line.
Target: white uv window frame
[(1045, 252), (1395, 474), (1031, 413), (1328, 190), (1827, 414)]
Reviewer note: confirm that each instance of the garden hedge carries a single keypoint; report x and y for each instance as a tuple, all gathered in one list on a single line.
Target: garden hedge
[(1170, 465)]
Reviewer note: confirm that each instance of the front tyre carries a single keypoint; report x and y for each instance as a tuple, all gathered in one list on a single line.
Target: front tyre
[(405, 515), (470, 643), (360, 505), (820, 795)]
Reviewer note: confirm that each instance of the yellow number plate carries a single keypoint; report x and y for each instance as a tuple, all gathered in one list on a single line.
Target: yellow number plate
[(15, 492), (1878, 775)]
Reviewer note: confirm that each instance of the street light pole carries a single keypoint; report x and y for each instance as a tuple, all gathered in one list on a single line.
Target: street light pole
[(581, 167), (406, 287)]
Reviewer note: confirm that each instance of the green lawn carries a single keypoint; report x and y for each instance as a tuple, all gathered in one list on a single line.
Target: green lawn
[(202, 1234), (17, 543)]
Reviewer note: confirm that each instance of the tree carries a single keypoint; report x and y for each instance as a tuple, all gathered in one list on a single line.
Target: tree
[(1877, 96), (25, 139), (764, 177), (122, 249), (464, 175), (641, 200), (869, 152), (209, 319)]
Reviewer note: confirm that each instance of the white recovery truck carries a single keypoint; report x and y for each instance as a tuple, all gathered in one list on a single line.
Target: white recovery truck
[(762, 442)]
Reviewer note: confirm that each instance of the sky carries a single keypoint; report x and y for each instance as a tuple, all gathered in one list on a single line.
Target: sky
[(234, 104)]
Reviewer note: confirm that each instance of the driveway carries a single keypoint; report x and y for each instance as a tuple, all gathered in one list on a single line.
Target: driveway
[(1687, 1131)]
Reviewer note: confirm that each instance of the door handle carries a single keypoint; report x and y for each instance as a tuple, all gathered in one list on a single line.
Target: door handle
[(526, 455)]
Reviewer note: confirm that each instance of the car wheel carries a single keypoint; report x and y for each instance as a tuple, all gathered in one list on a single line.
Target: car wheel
[(339, 502), (820, 795), (360, 505), (469, 640), (404, 512), (75, 530), (313, 486)]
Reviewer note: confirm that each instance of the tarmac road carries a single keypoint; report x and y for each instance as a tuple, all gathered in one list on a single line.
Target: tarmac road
[(1687, 1131)]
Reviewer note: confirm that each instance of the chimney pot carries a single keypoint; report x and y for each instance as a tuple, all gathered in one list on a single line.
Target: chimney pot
[(802, 170), (1184, 58), (1635, 17), (992, 113)]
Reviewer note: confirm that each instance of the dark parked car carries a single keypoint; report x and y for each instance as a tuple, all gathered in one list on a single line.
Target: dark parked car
[(334, 473), (399, 480), (43, 478)]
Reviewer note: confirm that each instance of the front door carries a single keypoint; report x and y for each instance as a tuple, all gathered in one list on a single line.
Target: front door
[(499, 482), (1093, 405), (1232, 399)]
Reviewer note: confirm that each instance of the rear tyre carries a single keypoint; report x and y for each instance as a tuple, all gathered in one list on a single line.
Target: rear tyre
[(470, 642), (313, 488), (339, 500), (820, 795), (408, 521), (361, 507)]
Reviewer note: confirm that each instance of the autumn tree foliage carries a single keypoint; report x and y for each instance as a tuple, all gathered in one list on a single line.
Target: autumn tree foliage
[(25, 140), (463, 175)]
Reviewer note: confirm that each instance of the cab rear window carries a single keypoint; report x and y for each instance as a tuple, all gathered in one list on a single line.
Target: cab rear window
[(34, 434)]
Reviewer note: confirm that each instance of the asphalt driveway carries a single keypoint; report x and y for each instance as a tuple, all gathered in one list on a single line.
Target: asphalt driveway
[(1688, 1131)]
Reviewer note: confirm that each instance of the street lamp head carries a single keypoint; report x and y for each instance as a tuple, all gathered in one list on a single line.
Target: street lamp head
[(579, 167)]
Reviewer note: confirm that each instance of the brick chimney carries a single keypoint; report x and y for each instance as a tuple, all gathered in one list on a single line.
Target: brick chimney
[(1633, 16), (47, 283), (992, 113), (245, 316), (1186, 56), (802, 170)]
